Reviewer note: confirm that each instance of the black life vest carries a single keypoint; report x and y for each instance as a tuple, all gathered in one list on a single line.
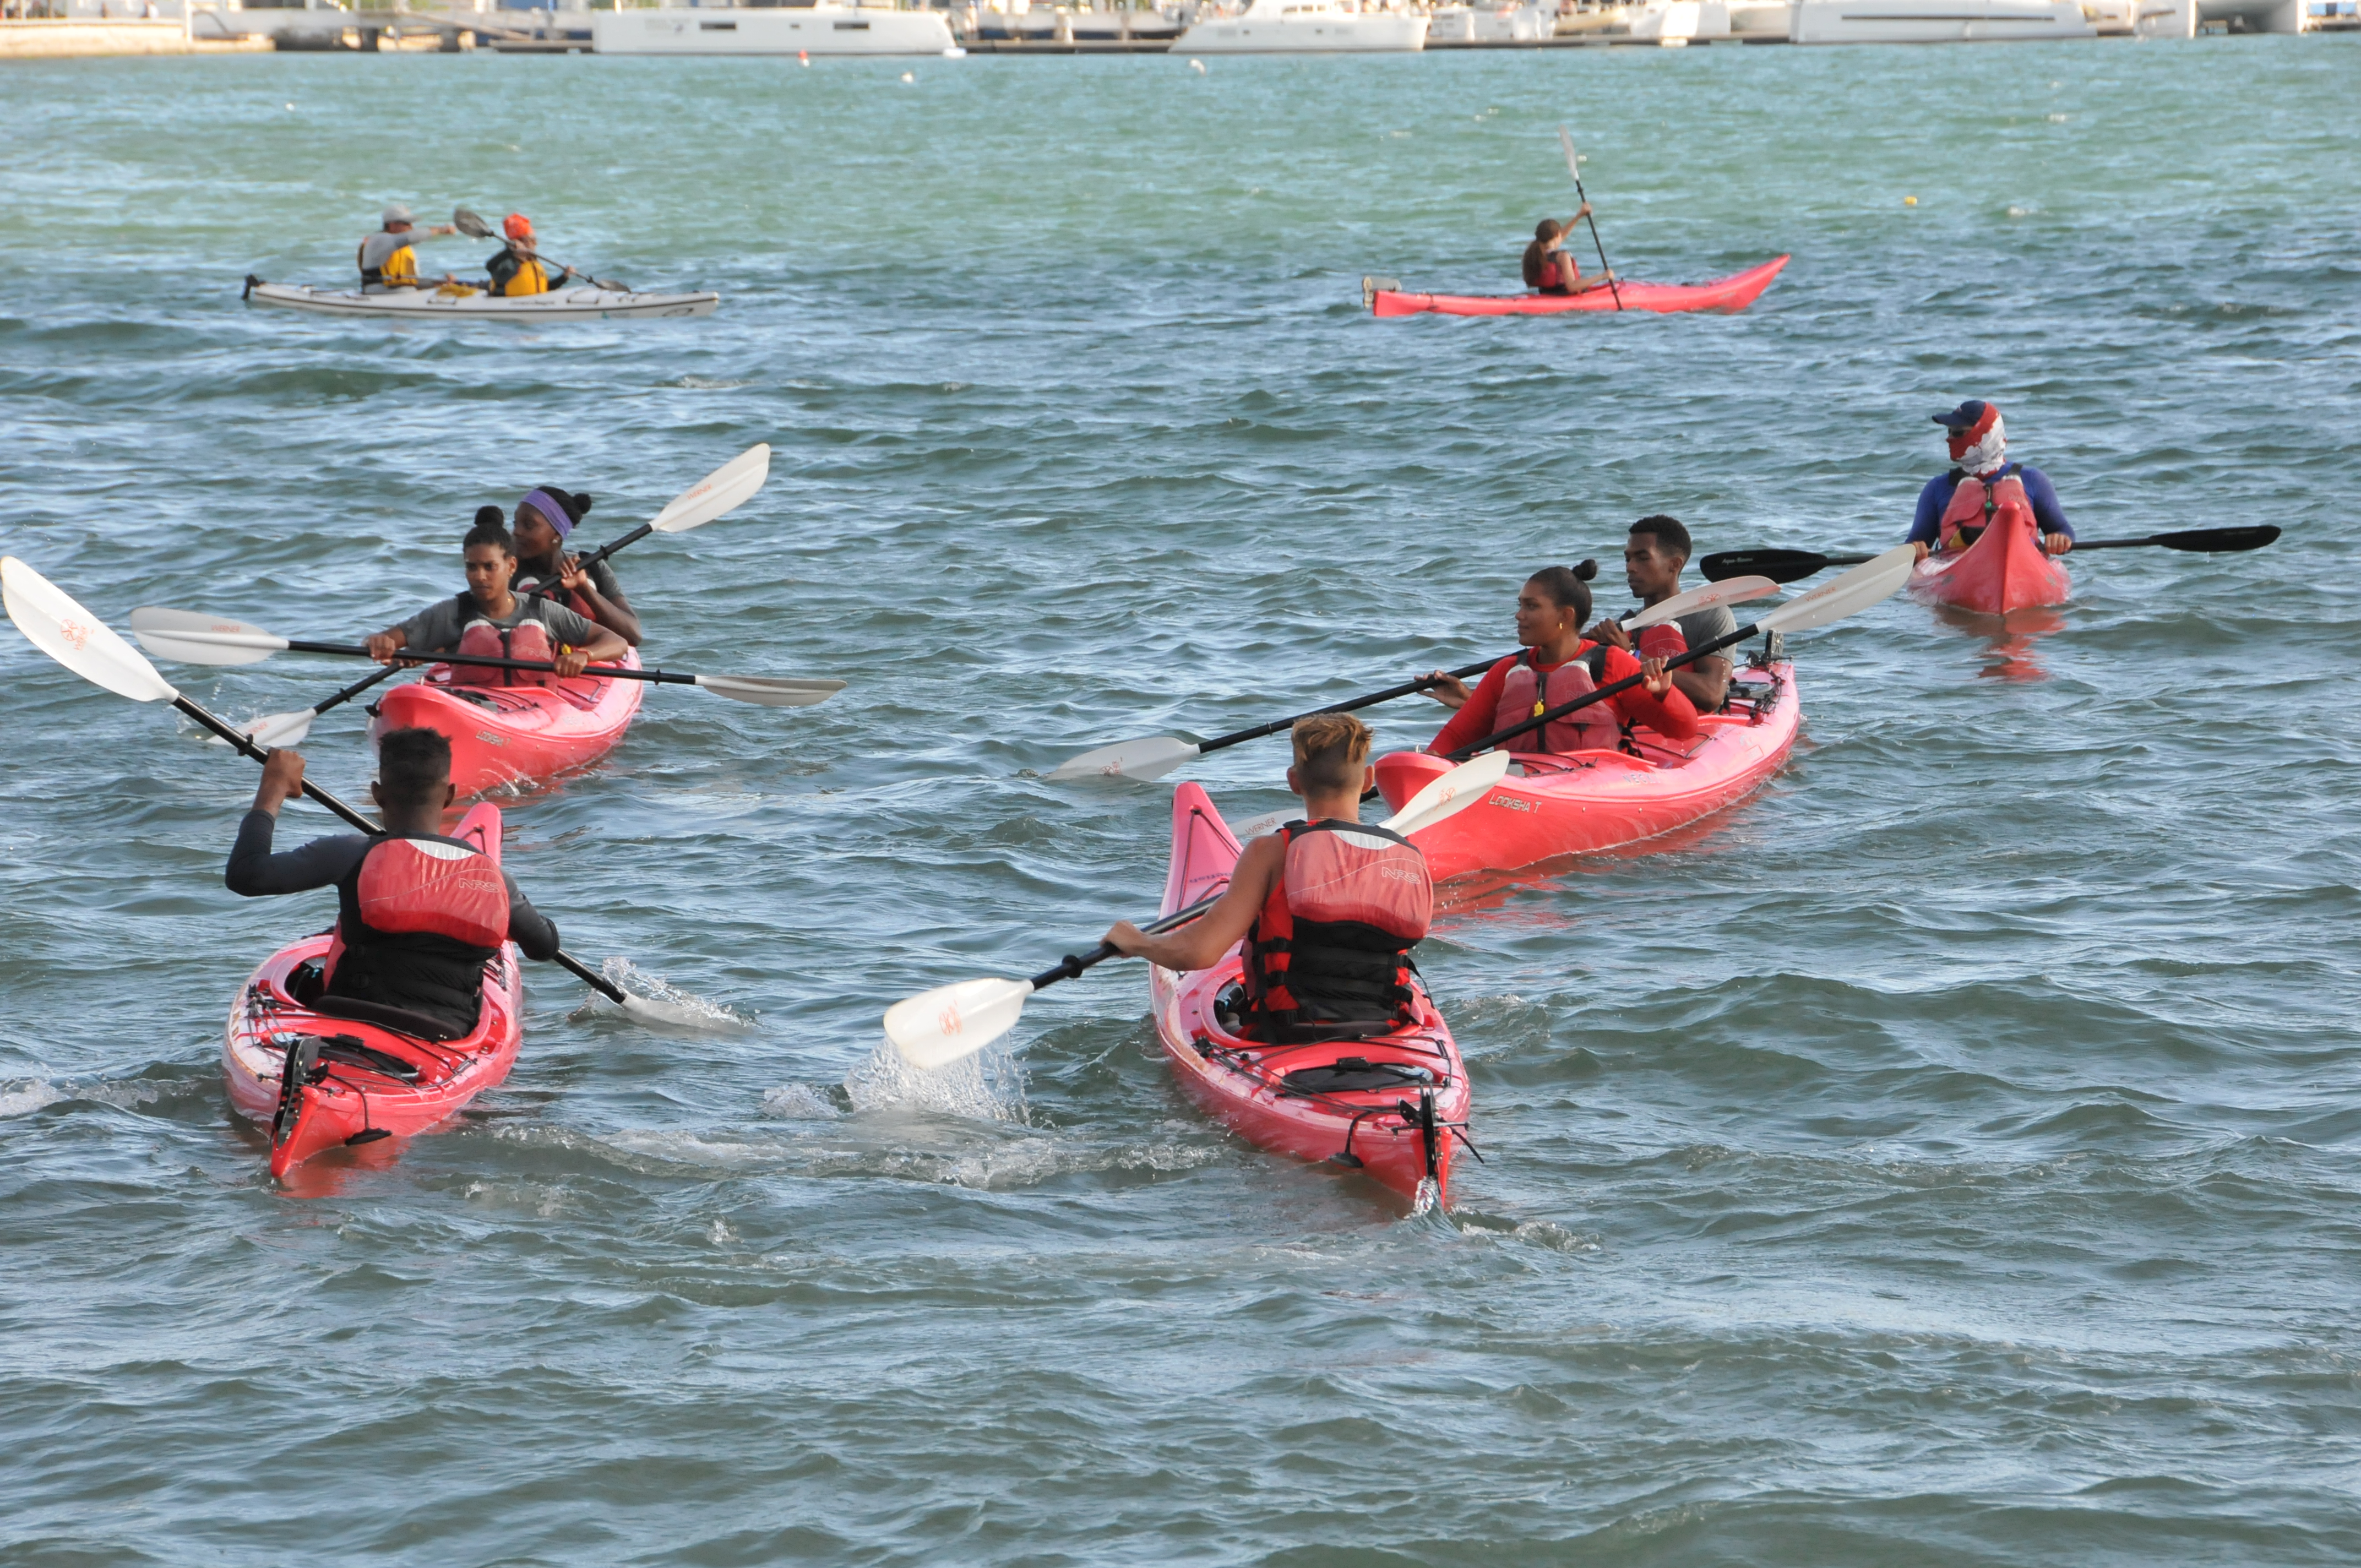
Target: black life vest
[(1330, 951), (417, 919)]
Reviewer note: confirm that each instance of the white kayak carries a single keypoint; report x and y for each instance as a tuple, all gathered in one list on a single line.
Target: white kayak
[(584, 304)]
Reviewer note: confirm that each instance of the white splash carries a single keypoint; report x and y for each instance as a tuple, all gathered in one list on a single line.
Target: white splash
[(986, 1087), (23, 1098), (654, 1000)]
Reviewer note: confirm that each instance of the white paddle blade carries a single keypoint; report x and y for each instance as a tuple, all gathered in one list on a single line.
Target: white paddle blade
[(189, 638), (722, 490), (1269, 822), (52, 622), (938, 1027), (1729, 590), (770, 691), (280, 729), (1452, 794), (1847, 594), (1150, 758)]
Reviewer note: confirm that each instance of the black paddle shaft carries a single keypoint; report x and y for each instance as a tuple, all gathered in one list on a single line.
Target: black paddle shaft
[(1611, 688), (1786, 565), (1405, 689), (484, 660), (539, 589), (1074, 964), (245, 742)]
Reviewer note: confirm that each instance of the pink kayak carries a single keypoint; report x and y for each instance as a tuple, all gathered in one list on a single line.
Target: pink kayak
[(505, 736), (1734, 293), (2005, 569), (1587, 801), (318, 1080)]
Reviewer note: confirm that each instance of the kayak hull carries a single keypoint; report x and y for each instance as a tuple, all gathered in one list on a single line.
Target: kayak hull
[(1734, 293), (1401, 1132), (429, 304), (508, 736), (2005, 570), (1589, 801), (411, 1085)]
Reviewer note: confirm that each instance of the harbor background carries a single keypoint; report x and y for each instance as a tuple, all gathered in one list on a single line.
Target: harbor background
[(1948, 1157)]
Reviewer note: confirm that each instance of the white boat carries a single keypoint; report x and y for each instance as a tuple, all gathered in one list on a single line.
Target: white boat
[(1305, 27), (411, 305), (1492, 24), (1675, 22), (1760, 18), (1935, 21), (770, 29)]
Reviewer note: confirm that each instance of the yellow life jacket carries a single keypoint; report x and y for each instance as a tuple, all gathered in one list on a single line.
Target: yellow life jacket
[(400, 270), (530, 278)]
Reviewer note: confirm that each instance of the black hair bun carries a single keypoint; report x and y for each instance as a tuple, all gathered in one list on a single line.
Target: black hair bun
[(1587, 570), (490, 517), (581, 505)]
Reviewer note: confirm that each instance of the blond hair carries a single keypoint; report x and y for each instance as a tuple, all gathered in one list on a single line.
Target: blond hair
[(1330, 750)]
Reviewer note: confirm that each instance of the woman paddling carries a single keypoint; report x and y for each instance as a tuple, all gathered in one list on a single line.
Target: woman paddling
[(544, 520), (1558, 665), (1550, 266)]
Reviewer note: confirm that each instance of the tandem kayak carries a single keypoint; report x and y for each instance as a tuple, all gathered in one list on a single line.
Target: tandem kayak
[(1734, 293), (1585, 801), (1390, 1105), (584, 304), (320, 1081), (2005, 569), (504, 735)]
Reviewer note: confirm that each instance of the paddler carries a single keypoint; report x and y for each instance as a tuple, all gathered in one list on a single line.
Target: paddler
[(1653, 553), (1329, 907), (1557, 665), (1550, 266), (489, 619), (386, 260), (518, 269), (416, 918), (544, 519), (1984, 487)]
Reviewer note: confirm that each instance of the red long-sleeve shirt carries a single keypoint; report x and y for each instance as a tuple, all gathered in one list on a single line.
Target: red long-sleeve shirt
[(1671, 716)]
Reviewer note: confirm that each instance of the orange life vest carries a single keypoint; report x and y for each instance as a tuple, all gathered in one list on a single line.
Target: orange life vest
[(1979, 504), (1329, 947), (416, 921), (525, 640), (1526, 691)]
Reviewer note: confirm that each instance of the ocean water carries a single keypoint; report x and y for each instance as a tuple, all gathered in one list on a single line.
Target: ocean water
[(1947, 1155)]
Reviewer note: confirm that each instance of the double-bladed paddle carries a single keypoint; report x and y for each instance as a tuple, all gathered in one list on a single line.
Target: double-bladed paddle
[(193, 638), (1786, 565), (473, 225), (1574, 167), (938, 1027), (1153, 756), (715, 496), (54, 623), (1848, 594)]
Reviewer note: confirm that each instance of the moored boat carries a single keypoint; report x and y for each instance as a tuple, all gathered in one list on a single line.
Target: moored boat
[(582, 304), (1305, 27), (323, 1072), (505, 736), (1734, 293), (1936, 21), (2005, 569), (1582, 802), (770, 29), (1390, 1105)]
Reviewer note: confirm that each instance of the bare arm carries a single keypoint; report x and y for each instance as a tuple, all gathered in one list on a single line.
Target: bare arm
[(615, 614), (1201, 944), (1705, 682)]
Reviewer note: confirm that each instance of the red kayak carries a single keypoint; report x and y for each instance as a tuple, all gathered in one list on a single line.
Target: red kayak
[(1586, 801), (319, 1081), (2005, 569), (1734, 293), (505, 736), (1390, 1104)]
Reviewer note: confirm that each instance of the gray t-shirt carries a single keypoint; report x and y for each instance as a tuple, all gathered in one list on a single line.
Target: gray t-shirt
[(438, 627)]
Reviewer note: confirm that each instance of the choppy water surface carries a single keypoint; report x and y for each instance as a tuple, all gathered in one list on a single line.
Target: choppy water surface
[(1949, 1157)]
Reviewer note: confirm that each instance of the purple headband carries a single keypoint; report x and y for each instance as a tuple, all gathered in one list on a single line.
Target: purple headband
[(552, 510)]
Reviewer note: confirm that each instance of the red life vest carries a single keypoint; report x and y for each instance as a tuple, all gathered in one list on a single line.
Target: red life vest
[(417, 919), (1977, 505), (1527, 691), (525, 640), (578, 603), (1331, 945), (1662, 641)]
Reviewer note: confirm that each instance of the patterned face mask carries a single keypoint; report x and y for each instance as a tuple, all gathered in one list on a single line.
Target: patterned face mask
[(1983, 446)]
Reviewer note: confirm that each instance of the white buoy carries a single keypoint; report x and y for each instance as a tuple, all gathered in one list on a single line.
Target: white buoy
[(1198, 66), (908, 76)]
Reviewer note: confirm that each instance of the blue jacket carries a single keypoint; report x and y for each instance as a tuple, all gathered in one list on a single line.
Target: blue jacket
[(1932, 500)]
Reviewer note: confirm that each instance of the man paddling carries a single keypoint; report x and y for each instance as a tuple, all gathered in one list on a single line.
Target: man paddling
[(489, 620), (1984, 487), (386, 260), (1653, 553), (544, 519), (1329, 907), (1558, 665), (517, 270), (417, 916)]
